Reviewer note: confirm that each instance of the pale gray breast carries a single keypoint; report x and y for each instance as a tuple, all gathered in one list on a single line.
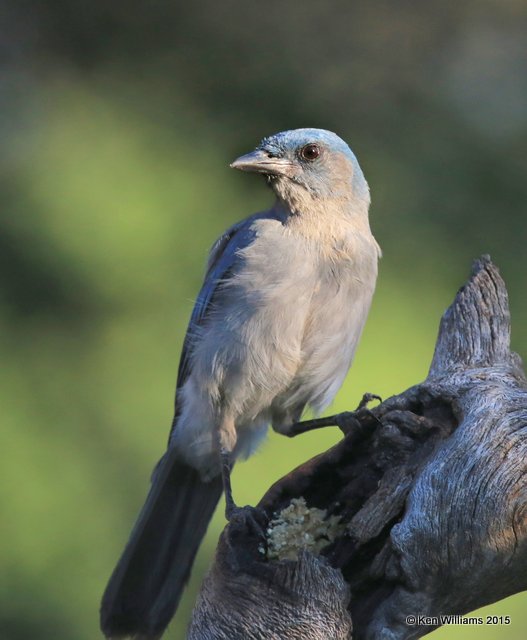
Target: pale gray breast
[(337, 314)]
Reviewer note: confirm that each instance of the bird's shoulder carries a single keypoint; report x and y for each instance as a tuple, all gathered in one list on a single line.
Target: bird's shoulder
[(239, 236)]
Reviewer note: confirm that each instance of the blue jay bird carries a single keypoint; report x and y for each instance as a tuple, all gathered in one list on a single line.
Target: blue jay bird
[(274, 330)]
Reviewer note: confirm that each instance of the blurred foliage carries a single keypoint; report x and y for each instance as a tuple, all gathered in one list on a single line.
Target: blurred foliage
[(118, 123)]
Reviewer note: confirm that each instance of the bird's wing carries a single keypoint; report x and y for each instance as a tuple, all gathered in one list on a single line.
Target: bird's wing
[(220, 266)]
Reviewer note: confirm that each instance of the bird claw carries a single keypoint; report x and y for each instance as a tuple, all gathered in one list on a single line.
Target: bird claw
[(366, 399), (350, 421), (250, 519)]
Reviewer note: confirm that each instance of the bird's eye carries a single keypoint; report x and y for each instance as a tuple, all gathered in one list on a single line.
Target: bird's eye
[(310, 152)]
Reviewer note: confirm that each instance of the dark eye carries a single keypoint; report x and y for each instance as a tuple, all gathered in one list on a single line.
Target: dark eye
[(310, 152)]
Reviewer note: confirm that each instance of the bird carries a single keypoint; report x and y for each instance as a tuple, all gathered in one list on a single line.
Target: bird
[(273, 331)]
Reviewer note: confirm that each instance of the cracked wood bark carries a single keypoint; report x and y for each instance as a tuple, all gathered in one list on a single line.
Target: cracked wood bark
[(432, 485)]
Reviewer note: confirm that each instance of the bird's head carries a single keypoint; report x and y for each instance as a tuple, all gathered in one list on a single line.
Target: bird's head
[(312, 163)]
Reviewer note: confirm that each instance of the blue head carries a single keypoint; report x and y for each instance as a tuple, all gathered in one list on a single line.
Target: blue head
[(307, 162)]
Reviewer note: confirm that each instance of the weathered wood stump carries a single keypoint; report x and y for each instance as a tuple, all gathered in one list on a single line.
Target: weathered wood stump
[(431, 485)]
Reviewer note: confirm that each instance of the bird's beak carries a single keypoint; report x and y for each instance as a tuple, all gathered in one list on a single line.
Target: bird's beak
[(259, 161)]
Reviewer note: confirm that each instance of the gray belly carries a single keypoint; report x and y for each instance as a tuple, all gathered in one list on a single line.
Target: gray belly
[(337, 316)]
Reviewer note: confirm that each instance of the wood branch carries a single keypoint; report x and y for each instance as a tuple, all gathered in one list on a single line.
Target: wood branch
[(432, 488)]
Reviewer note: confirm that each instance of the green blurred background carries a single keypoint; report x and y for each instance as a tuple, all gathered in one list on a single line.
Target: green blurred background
[(118, 121)]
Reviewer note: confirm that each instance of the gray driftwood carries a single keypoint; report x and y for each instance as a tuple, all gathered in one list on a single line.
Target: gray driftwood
[(432, 484)]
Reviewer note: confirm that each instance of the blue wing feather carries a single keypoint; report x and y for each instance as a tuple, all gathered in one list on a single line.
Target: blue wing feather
[(221, 264)]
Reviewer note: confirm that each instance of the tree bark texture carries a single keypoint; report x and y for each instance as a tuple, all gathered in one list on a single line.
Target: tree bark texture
[(432, 488)]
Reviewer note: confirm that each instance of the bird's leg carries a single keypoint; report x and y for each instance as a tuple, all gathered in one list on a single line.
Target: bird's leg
[(227, 437), (226, 468), (252, 517), (297, 428), (347, 421)]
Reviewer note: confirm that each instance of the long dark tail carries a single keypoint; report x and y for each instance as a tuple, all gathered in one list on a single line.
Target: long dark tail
[(146, 585)]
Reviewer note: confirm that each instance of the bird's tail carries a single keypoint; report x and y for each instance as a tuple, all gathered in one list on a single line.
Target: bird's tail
[(146, 585)]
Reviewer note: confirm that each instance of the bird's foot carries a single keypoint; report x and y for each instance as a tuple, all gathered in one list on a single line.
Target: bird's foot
[(366, 399), (361, 414), (350, 421), (251, 519), (251, 516), (347, 421)]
